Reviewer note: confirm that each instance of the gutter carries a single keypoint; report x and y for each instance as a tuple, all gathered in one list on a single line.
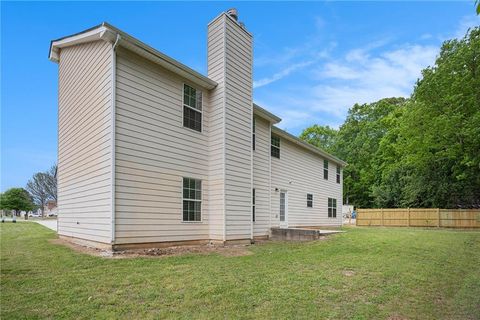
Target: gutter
[(114, 84)]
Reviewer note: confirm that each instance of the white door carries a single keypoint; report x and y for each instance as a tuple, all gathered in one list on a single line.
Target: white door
[(283, 209)]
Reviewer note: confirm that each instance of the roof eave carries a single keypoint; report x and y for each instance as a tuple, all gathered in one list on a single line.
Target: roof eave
[(109, 33), (265, 114), (308, 146)]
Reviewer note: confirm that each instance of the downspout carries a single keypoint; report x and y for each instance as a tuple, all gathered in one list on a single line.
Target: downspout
[(114, 84)]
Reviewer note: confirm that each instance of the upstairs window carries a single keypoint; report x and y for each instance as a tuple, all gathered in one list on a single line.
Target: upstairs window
[(338, 174), (275, 148), (192, 108), (309, 200), (332, 208), (325, 169), (253, 135), (192, 199)]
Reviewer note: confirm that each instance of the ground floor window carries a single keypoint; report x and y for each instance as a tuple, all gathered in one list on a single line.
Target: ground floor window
[(192, 199), (309, 200), (332, 208)]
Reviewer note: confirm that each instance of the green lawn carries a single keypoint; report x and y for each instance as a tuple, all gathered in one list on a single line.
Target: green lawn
[(397, 274)]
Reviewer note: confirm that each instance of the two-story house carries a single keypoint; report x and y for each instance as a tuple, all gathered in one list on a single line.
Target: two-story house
[(150, 152)]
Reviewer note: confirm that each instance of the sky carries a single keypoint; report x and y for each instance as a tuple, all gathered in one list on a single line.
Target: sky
[(312, 60)]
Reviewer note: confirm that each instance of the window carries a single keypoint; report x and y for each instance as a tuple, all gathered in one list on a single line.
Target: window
[(253, 134), (192, 199), (325, 169), (338, 174), (192, 108), (332, 208), (253, 205), (309, 200), (275, 148)]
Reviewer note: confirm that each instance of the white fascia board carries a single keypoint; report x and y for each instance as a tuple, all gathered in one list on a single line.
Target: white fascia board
[(98, 33), (109, 33)]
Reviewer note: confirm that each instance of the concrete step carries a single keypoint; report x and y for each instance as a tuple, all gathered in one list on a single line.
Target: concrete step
[(297, 234)]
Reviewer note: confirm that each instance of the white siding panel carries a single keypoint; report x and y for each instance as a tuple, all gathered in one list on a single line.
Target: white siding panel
[(261, 178), (216, 143), (153, 154), (238, 132), (84, 146), (300, 171)]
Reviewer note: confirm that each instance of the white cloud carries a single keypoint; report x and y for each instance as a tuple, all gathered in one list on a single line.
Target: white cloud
[(361, 75), (282, 74), (465, 23)]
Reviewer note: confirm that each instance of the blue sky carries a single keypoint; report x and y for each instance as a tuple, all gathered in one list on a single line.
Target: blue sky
[(313, 60)]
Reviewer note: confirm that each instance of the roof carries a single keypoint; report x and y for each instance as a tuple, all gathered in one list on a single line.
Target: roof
[(112, 34), (265, 114), (107, 32), (287, 136)]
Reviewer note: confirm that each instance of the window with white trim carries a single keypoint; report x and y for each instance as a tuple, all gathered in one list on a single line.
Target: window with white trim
[(192, 199), (338, 173), (275, 148), (325, 169), (309, 200), (192, 108), (332, 208)]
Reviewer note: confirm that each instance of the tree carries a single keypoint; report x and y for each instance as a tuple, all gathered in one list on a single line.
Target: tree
[(477, 2), (16, 199), (51, 183), (440, 131), (358, 142), (322, 137), (43, 187), (423, 151), (37, 186)]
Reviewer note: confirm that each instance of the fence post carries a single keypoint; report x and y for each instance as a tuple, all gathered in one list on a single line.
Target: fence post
[(438, 212), (383, 223), (408, 219)]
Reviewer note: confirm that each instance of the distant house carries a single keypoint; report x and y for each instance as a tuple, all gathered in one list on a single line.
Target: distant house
[(50, 208), (152, 152)]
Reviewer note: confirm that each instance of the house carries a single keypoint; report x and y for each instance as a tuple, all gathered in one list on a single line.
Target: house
[(150, 152)]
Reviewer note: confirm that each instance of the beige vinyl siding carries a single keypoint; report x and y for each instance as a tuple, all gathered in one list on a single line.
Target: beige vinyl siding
[(261, 177), (216, 71), (238, 132), (84, 142), (153, 153), (300, 171)]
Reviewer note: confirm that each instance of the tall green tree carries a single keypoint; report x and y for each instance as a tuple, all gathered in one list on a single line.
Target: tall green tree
[(440, 129), (423, 151), (357, 143), (323, 137), (17, 199)]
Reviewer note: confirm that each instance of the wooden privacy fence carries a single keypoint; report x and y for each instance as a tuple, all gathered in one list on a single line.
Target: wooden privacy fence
[(445, 218)]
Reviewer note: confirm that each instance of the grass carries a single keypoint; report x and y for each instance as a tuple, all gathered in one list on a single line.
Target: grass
[(397, 273)]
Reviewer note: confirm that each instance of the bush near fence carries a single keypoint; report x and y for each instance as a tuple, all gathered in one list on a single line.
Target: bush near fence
[(410, 217)]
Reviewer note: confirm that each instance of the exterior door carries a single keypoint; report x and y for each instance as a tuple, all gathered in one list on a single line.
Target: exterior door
[(283, 209)]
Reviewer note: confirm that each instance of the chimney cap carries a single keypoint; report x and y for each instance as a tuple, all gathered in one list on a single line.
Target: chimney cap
[(233, 13)]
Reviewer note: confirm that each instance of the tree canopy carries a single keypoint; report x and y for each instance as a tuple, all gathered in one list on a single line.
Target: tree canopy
[(420, 152), (16, 199)]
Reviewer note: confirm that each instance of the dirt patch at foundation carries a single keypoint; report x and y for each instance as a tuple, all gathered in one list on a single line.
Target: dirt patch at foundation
[(227, 251)]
